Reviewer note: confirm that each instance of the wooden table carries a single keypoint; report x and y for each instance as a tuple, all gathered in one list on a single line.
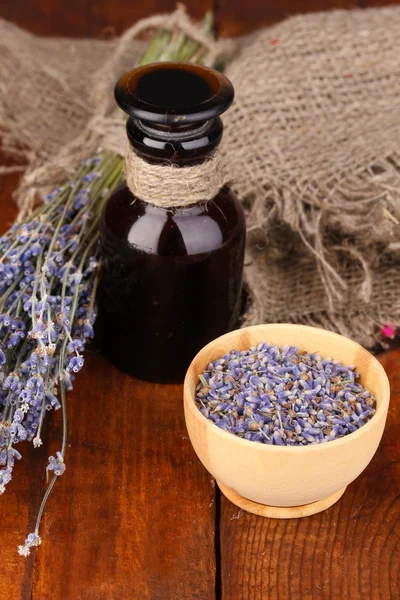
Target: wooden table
[(136, 516)]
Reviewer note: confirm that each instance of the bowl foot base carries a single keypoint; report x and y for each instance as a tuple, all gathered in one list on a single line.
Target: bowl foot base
[(280, 512)]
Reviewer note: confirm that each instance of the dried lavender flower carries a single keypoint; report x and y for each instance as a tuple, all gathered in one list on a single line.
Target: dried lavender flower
[(281, 396), (47, 310), (48, 280), (32, 540), (47, 296)]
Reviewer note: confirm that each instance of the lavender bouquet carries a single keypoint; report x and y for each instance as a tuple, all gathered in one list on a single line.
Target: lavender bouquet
[(48, 280)]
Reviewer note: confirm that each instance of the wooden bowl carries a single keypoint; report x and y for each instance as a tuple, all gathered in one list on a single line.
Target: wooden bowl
[(281, 481)]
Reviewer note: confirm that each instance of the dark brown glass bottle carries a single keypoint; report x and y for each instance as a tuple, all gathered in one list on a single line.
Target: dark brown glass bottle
[(171, 278)]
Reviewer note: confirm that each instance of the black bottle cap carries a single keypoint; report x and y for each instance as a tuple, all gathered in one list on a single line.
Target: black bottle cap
[(173, 94)]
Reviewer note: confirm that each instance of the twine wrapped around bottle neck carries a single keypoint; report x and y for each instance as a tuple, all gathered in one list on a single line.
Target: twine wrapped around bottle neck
[(170, 186)]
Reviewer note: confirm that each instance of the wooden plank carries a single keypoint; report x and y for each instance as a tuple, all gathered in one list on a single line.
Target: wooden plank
[(20, 502), (18, 509), (239, 18), (371, 3), (92, 18), (8, 183), (134, 514), (350, 551)]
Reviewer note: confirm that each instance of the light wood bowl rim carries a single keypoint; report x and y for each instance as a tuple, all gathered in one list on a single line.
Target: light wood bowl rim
[(189, 396)]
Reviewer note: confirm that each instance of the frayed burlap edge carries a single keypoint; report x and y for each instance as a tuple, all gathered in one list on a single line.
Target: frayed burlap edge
[(100, 124)]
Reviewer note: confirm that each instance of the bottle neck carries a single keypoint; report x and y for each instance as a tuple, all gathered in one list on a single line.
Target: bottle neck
[(166, 186), (182, 145)]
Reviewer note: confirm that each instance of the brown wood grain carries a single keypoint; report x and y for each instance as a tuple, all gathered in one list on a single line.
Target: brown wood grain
[(89, 18), (21, 501), (239, 18), (351, 551), (371, 3), (100, 18), (134, 515)]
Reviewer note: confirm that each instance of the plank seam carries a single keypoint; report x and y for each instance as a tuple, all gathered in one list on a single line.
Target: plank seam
[(217, 546)]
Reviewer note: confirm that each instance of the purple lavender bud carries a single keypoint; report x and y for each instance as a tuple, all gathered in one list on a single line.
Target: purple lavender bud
[(88, 330), (7, 320), (277, 439), (8, 381), (35, 249), (49, 197), (6, 477), (335, 431), (56, 464), (25, 395), (311, 431), (34, 359), (22, 433), (67, 381), (297, 427), (222, 424), (240, 399), (237, 429), (15, 338), (351, 427), (18, 415), (365, 414), (359, 408), (12, 455), (18, 324)]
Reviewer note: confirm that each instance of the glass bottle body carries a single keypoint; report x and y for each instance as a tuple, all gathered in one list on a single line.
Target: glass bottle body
[(170, 282)]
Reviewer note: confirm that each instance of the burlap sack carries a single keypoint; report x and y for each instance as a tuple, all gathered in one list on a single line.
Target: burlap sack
[(312, 142), (56, 95)]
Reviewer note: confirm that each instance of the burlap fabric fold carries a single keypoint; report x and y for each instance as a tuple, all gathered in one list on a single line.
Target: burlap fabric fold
[(56, 96), (312, 141)]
